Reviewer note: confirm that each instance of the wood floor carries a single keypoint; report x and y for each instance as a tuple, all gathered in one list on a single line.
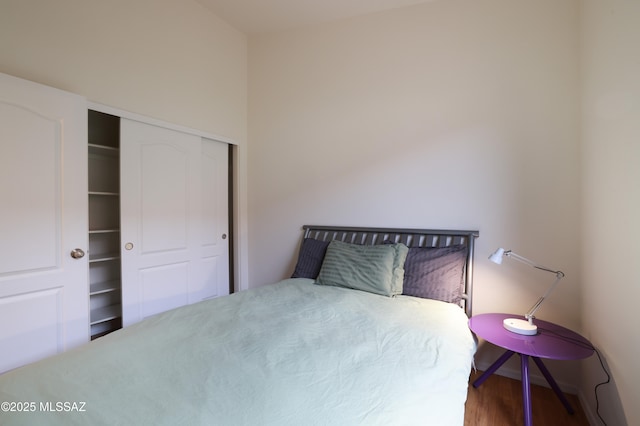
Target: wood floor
[(498, 402)]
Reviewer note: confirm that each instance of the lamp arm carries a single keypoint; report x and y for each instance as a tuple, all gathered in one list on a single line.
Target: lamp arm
[(559, 275), (516, 325), (523, 259), (530, 314)]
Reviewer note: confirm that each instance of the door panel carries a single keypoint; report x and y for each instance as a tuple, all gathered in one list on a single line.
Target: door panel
[(164, 197), (215, 221), (160, 196), (164, 287), (26, 229), (174, 219), (37, 336), (43, 187)]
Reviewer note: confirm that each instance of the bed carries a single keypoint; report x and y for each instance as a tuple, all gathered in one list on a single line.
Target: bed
[(315, 350)]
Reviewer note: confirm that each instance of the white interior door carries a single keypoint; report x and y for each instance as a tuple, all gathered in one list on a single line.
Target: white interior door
[(43, 217), (171, 253), (214, 257)]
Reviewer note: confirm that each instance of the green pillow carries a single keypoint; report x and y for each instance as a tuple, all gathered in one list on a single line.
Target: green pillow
[(377, 269)]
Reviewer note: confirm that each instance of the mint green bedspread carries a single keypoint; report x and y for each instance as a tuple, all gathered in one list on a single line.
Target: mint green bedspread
[(292, 353)]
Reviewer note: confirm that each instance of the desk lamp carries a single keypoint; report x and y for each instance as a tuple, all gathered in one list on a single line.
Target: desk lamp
[(525, 326)]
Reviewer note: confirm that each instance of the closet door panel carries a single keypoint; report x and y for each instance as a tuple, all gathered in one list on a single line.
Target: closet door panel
[(43, 184), (214, 261), (164, 287), (160, 207), (25, 229), (164, 198), (37, 336)]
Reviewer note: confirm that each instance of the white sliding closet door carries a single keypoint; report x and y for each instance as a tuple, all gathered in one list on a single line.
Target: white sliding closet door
[(160, 202), (170, 253), (43, 218), (215, 221)]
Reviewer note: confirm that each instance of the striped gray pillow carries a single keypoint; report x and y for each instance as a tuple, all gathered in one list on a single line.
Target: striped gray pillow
[(374, 268), (435, 273)]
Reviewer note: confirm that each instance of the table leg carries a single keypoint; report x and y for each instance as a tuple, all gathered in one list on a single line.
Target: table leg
[(526, 389), (493, 368), (553, 384)]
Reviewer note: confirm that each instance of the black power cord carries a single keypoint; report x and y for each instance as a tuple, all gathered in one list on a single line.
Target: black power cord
[(595, 390), (593, 348)]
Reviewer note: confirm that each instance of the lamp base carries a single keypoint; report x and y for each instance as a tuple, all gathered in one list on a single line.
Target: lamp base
[(520, 326)]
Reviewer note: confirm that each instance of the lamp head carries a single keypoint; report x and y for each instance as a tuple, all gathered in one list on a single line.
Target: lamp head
[(497, 256)]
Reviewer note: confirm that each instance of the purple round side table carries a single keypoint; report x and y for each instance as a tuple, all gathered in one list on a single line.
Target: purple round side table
[(552, 342)]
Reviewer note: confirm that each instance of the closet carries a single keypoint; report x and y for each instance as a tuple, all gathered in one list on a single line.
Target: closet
[(107, 218), (105, 285), (158, 219)]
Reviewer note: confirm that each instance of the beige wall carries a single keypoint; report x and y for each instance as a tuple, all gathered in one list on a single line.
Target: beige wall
[(611, 201), (168, 59), (451, 114)]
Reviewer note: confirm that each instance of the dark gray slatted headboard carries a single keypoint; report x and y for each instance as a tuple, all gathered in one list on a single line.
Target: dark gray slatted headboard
[(409, 237)]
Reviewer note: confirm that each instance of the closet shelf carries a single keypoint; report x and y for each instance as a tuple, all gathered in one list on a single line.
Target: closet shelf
[(104, 193), (103, 150), (104, 287), (104, 231), (106, 313), (104, 257)]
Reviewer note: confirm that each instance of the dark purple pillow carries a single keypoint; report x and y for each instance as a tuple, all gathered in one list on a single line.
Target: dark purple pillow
[(310, 258), (435, 273)]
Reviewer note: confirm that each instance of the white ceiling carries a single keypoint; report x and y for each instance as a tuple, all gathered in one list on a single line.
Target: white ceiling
[(261, 16)]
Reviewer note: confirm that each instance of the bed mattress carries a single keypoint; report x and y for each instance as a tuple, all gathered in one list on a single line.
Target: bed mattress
[(291, 353)]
